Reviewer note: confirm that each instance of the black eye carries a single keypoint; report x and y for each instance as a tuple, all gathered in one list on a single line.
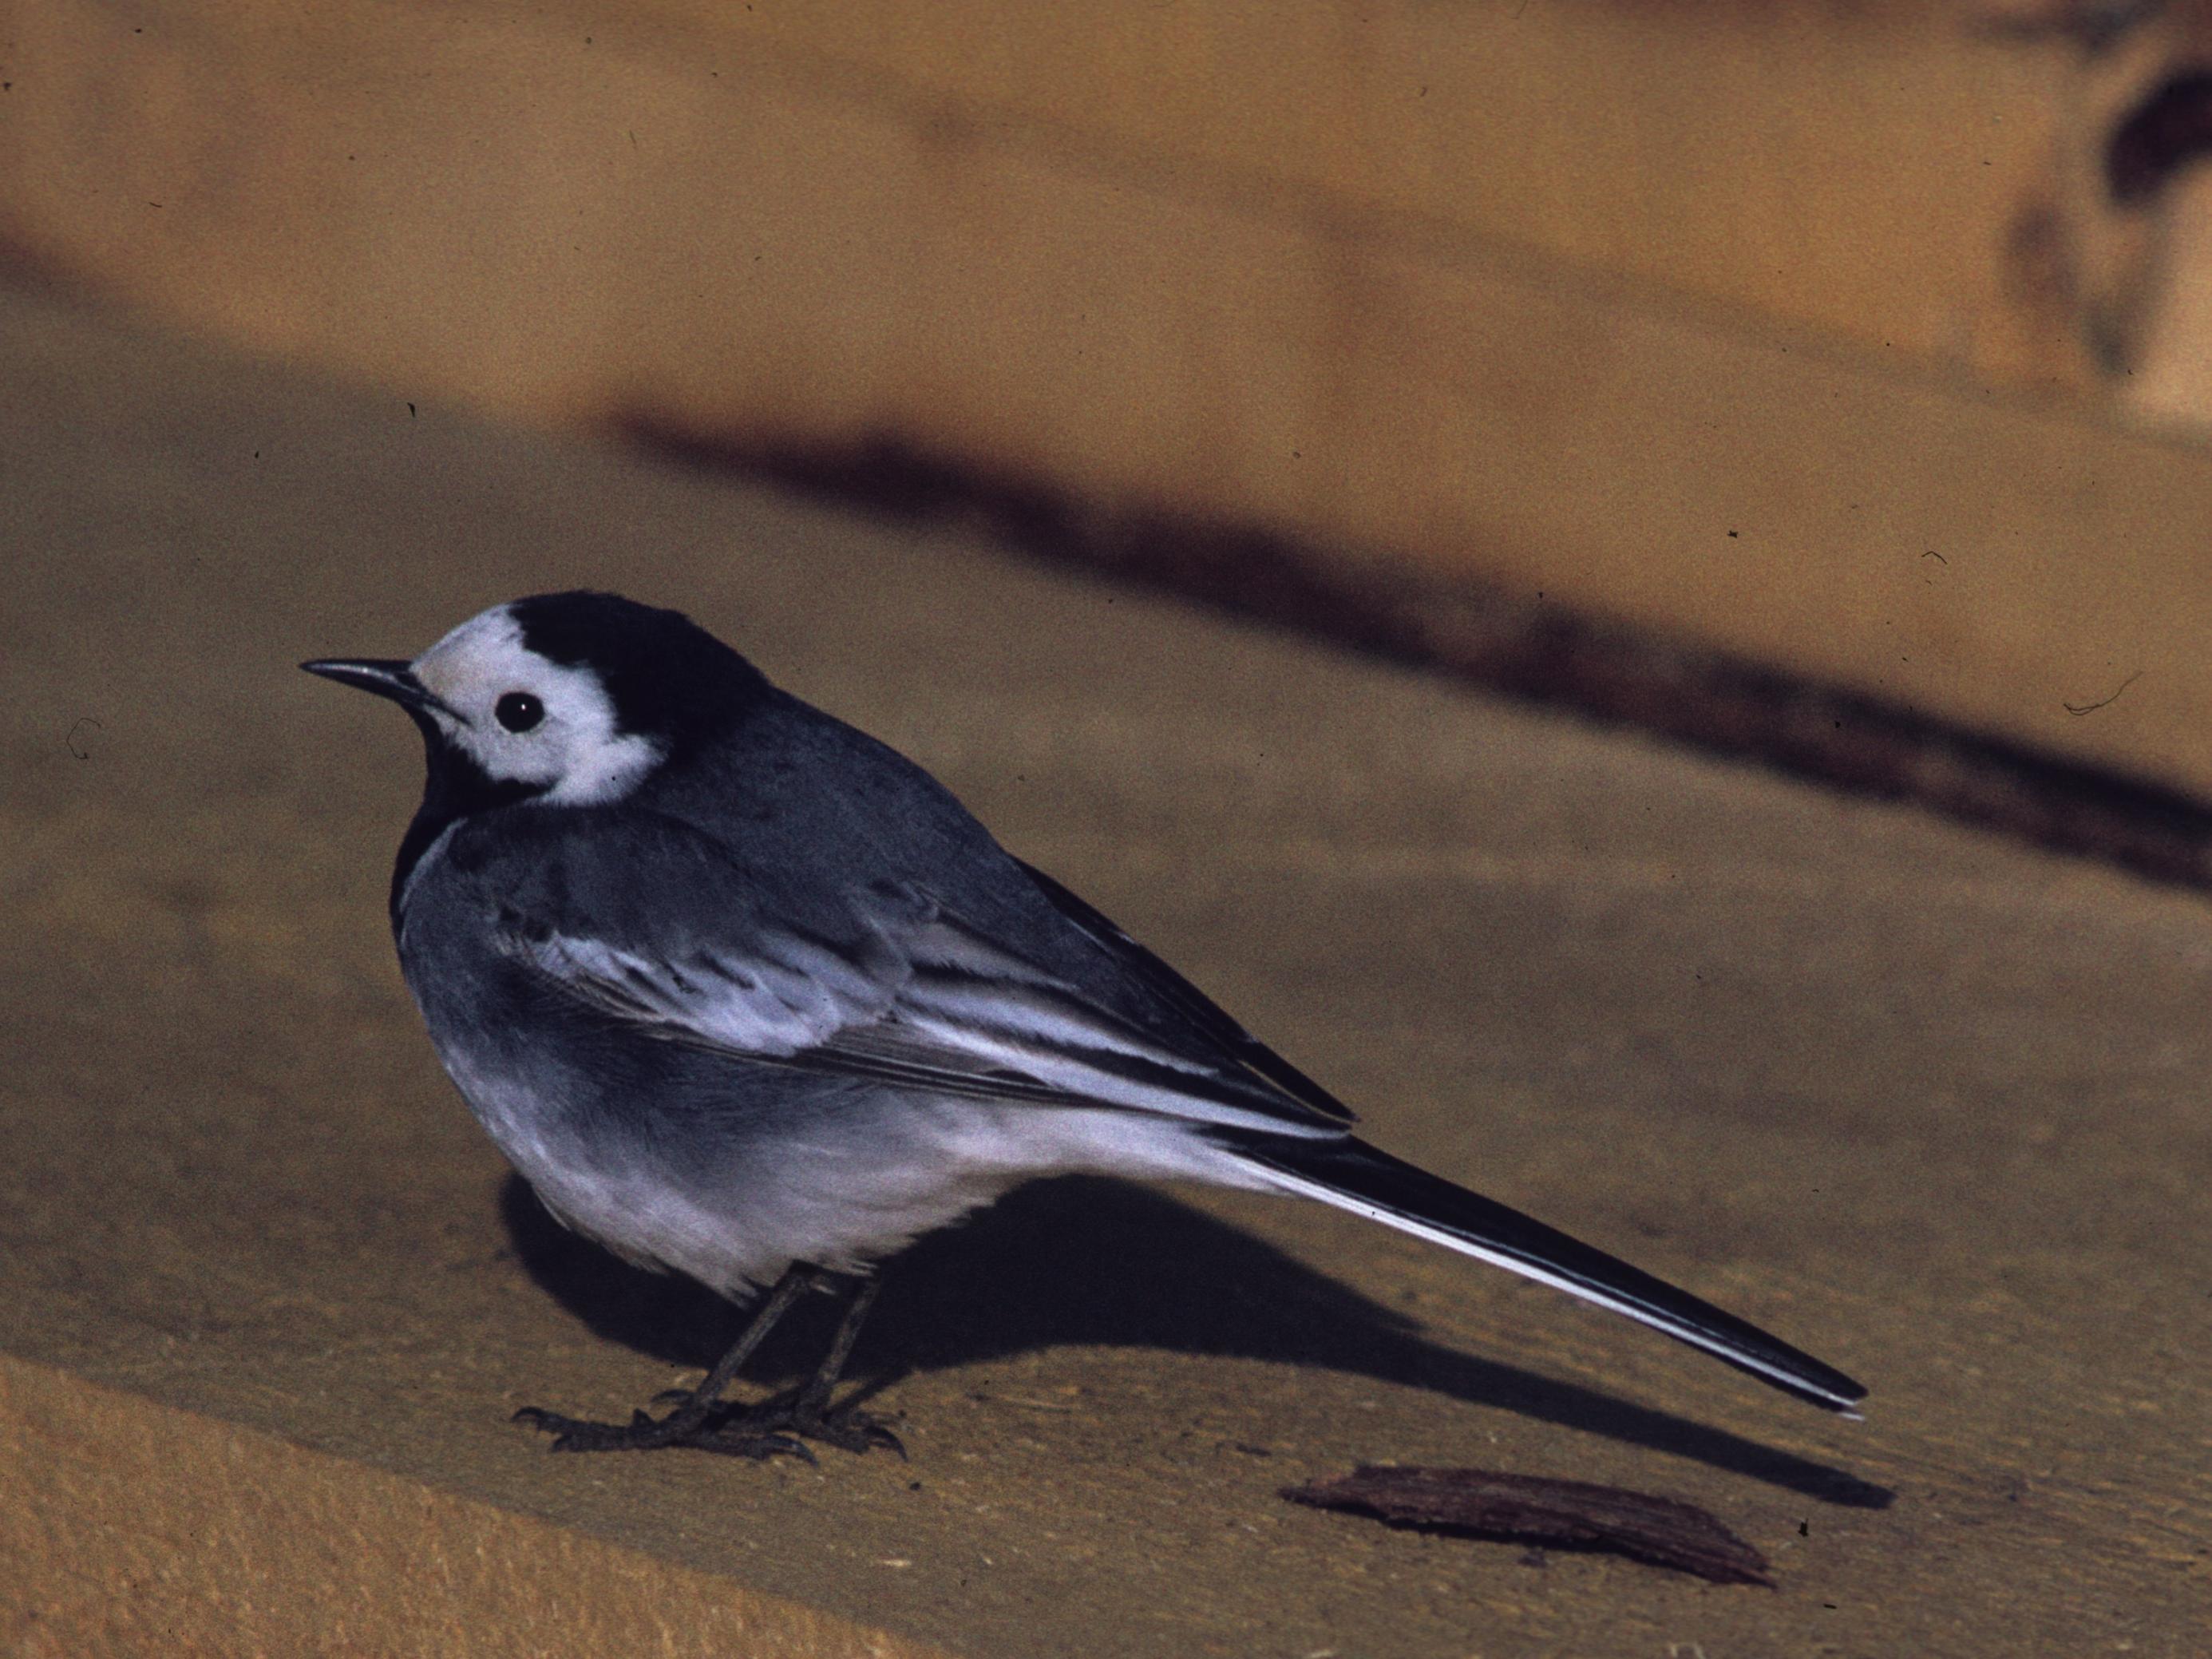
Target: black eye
[(518, 711)]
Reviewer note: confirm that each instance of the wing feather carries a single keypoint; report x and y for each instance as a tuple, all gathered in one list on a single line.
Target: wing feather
[(1205, 1014), (897, 990)]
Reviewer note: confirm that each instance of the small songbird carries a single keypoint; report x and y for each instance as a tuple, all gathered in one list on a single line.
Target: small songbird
[(743, 993)]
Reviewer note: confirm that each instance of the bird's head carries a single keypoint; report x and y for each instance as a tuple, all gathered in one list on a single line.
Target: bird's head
[(572, 699)]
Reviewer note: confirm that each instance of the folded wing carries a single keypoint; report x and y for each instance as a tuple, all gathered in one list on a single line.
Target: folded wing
[(892, 987)]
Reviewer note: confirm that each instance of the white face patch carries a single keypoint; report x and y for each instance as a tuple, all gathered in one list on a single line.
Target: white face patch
[(574, 750)]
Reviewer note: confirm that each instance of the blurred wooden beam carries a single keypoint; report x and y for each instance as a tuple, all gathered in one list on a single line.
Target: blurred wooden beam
[(136, 1528), (1223, 264)]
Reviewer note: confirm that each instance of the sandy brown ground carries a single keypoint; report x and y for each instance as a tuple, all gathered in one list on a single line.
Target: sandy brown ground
[(1927, 1104)]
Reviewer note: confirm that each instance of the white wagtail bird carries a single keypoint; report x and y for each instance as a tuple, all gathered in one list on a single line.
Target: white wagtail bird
[(745, 994)]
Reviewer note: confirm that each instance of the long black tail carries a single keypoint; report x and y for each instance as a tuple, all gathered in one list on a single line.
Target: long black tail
[(1355, 1176)]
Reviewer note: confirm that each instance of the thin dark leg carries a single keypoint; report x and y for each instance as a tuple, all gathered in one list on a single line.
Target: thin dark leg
[(807, 1412), (832, 1367), (684, 1424)]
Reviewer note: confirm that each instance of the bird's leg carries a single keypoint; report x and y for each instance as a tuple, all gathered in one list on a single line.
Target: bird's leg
[(684, 1425), (806, 1411)]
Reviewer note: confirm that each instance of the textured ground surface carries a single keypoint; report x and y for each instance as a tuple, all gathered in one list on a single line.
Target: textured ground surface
[(1928, 1104)]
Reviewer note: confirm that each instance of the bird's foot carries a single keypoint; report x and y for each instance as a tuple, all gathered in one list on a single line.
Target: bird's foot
[(777, 1427), (678, 1428), (808, 1416)]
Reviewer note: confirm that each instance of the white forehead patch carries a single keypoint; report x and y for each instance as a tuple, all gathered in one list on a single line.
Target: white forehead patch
[(576, 753)]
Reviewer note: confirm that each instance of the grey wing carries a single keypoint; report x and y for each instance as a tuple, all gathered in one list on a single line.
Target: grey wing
[(888, 986), (1192, 1004)]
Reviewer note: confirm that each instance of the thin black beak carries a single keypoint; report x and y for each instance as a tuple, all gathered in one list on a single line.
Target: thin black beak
[(383, 676)]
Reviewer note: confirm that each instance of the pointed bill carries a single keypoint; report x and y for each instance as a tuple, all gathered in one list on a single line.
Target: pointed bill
[(382, 676)]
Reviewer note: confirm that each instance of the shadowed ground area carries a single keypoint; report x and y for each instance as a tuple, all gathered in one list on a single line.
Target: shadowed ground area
[(1920, 1101), (1083, 1262)]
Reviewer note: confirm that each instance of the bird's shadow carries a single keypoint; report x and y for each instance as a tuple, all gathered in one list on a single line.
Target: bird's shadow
[(1081, 1260)]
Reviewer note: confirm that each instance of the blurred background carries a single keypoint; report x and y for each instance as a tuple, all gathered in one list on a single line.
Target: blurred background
[(1827, 381)]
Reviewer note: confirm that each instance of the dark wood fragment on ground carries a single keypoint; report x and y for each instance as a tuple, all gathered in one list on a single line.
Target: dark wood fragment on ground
[(1530, 1509)]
